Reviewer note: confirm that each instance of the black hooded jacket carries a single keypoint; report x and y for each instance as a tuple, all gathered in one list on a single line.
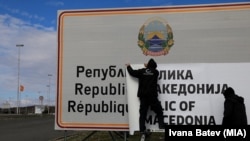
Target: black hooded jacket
[(148, 78), (234, 109)]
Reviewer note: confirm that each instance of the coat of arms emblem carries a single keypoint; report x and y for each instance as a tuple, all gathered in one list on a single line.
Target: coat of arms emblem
[(155, 37)]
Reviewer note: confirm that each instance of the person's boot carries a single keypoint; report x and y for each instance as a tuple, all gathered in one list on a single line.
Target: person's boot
[(161, 122)]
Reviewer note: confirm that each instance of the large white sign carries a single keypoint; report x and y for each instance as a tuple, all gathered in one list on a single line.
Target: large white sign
[(190, 94), (95, 45)]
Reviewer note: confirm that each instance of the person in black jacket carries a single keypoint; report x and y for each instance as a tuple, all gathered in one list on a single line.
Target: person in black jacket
[(234, 109), (147, 92)]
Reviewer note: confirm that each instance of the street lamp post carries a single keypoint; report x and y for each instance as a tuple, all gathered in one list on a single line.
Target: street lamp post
[(49, 75), (18, 77)]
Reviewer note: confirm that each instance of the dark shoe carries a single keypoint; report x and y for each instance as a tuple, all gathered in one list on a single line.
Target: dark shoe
[(161, 126), (161, 122), (147, 133)]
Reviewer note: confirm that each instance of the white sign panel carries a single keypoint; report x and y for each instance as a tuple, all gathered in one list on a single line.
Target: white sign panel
[(190, 94)]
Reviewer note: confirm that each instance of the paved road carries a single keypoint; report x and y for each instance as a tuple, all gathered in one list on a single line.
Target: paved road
[(32, 128)]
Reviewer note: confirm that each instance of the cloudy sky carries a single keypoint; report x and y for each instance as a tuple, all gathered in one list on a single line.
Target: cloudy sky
[(33, 24)]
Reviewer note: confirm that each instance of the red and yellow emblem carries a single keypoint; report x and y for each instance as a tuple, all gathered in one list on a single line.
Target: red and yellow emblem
[(155, 37)]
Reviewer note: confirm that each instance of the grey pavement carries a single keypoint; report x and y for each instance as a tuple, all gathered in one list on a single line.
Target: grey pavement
[(29, 128)]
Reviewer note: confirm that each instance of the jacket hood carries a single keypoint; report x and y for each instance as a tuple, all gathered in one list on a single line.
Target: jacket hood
[(152, 64), (228, 92)]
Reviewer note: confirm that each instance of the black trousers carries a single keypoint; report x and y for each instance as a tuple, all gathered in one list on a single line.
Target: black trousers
[(155, 106)]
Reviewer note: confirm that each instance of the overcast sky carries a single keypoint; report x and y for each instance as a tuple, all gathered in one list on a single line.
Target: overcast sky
[(33, 24)]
